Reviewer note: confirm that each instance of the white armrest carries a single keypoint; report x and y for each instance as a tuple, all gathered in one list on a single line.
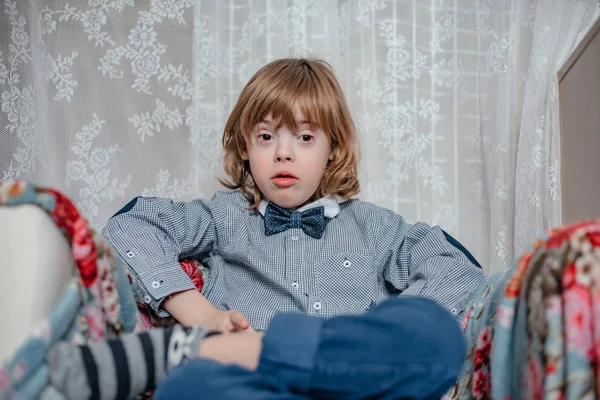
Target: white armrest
[(35, 268)]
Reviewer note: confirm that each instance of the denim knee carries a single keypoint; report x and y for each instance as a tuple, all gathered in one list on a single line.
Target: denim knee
[(405, 347), (436, 328)]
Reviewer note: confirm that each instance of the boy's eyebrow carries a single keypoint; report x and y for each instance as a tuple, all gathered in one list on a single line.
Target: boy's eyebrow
[(269, 122)]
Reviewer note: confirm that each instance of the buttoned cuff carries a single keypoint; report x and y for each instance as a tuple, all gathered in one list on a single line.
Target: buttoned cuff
[(290, 348), (162, 281), (456, 308)]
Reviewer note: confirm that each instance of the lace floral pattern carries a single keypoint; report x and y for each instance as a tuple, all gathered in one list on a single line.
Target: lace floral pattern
[(108, 99)]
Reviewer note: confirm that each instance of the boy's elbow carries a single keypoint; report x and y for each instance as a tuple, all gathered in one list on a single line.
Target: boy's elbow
[(465, 281)]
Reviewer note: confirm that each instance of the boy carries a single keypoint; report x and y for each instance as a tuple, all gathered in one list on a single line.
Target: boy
[(289, 237)]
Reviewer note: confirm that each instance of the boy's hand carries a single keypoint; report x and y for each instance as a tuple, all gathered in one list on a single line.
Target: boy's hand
[(227, 321)]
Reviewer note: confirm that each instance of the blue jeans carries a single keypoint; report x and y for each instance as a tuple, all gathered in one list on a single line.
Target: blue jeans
[(403, 348)]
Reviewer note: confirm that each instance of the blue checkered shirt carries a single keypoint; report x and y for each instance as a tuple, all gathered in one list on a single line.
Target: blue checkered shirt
[(367, 254)]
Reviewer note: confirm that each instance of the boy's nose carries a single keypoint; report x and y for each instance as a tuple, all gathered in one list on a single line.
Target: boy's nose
[(284, 153), (283, 158)]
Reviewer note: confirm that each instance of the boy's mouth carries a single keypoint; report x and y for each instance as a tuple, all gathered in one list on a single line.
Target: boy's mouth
[(284, 179)]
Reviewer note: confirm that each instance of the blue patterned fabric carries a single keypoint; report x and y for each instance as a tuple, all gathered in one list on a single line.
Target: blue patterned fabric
[(311, 221), (366, 254)]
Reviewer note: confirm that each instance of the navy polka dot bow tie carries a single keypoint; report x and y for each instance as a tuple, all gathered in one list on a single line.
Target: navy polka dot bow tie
[(312, 221)]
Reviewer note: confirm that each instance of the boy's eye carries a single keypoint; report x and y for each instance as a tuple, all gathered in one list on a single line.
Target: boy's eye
[(265, 136), (306, 138)]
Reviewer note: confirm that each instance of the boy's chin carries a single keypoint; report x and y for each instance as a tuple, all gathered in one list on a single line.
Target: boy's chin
[(289, 203)]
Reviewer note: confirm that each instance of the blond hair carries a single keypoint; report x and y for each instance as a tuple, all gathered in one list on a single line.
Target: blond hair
[(280, 90)]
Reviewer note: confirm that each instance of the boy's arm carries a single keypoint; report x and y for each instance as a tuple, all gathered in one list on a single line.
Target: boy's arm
[(151, 235), (423, 263), (190, 308)]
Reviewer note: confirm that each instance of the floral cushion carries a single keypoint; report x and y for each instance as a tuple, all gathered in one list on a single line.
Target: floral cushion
[(533, 332)]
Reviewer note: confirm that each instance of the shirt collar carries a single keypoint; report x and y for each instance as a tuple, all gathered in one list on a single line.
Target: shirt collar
[(331, 204)]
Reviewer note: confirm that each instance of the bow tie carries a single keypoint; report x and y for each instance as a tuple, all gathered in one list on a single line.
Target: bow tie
[(312, 221)]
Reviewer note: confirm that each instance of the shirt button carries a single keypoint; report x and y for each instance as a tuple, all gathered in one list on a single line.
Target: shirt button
[(147, 299), (347, 263), (454, 311), (155, 284), (295, 285), (294, 238), (317, 306), (130, 254)]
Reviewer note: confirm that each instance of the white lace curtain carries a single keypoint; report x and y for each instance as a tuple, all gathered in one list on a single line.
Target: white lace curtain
[(456, 100)]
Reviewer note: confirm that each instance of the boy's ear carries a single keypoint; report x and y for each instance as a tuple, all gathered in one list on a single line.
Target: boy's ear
[(244, 155)]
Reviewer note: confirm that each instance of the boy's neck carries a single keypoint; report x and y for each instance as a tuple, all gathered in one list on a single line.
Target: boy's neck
[(331, 205)]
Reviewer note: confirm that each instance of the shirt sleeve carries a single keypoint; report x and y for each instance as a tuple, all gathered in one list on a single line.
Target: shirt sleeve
[(151, 235), (421, 262)]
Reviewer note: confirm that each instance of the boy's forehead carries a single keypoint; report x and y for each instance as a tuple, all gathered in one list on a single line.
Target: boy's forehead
[(298, 116), (271, 121)]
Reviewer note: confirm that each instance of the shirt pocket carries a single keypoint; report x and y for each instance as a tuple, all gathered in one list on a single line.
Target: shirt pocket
[(347, 282)]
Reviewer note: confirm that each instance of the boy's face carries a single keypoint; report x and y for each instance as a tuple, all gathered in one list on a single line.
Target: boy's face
[(287, 166)]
